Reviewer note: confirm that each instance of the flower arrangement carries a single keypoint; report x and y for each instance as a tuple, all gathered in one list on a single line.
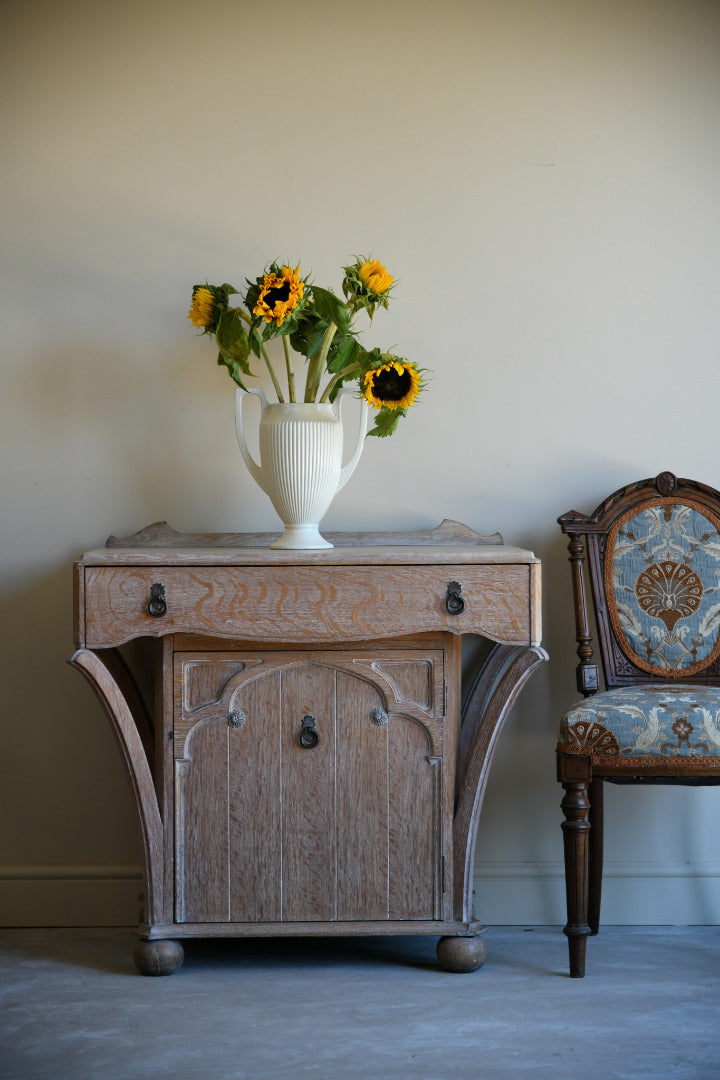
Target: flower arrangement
[(316, 324)]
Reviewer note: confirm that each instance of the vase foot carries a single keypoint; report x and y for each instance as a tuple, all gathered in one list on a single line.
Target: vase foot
[(301, 536)]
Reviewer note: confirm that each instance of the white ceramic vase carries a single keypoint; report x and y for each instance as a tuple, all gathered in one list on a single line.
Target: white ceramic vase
[(301, 470)]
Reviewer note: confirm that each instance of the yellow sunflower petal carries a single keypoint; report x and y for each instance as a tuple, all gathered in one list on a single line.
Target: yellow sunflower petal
[(280, 294), (375, 276), (201, 308)]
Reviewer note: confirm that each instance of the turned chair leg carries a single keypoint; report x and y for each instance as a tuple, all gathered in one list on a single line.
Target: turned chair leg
[(595, 854), (575, 805)]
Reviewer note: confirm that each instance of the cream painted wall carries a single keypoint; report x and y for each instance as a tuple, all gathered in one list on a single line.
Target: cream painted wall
[(543, 180)]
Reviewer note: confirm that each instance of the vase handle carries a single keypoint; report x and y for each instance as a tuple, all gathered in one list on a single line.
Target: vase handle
[(253, 467), (349, 469)]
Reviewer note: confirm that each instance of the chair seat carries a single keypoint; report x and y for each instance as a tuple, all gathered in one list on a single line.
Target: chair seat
[(645, 723)]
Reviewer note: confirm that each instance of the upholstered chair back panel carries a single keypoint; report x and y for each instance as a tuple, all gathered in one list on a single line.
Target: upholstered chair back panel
[(662, 582)]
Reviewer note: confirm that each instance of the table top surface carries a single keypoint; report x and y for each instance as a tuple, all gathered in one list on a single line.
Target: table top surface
[(450, 543)]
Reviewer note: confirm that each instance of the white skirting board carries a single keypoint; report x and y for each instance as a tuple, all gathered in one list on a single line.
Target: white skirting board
[(506, 894)]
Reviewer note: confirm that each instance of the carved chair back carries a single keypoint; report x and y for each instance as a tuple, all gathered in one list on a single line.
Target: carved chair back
[(653, 554)]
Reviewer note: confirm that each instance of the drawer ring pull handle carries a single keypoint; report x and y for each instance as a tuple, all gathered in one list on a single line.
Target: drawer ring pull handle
[(454, 601), (157, 605), (309, 737)]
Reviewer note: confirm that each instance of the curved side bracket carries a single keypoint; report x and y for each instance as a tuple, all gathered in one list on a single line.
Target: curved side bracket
[(486, 709), (128, 687), (126, 733)]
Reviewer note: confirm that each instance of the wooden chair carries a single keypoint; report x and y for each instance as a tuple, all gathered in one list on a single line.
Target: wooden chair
[(653, 553)]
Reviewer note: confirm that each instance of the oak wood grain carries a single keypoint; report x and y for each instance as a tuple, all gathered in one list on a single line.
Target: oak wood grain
[(256, 802), (414, 855), (309, 830), (138, 770), (165, 705), (202, 872), (356, 555), (382, 927), (309, 833), (362, 784), (160, 534), (373, 830), (486, 709), (342, 603)]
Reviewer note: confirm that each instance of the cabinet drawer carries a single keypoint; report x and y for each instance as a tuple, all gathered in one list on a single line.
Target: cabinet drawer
[(307, 603)]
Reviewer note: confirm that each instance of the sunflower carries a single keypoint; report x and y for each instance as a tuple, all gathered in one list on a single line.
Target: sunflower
[(393, 385), (208, 304), (280, 293), (375, 277), (201, 308)]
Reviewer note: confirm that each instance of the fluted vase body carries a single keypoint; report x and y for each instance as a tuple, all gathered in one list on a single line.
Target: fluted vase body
[(301, 470)]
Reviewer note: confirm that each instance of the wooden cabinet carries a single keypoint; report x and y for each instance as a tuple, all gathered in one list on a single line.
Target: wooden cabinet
[(305, 767)]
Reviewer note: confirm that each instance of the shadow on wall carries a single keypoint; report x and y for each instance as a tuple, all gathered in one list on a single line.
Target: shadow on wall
[(64, 797)]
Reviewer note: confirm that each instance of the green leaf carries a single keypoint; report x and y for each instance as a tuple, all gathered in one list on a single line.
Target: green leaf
[(255, 340), (307, 337), (315, 340), (233, 369), (327, 304), (386, 422), (343, 354), (232, 339)]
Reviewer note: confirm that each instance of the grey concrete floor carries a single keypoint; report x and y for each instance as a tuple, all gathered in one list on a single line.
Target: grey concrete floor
[(73, 1008)]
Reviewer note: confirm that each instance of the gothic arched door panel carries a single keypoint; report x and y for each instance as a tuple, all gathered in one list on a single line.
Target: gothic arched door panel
[(308, 788)]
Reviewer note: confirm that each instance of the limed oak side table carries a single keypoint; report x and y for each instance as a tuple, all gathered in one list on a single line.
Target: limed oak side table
[(305, 765)]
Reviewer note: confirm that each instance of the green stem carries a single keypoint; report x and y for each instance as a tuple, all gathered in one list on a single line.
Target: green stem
[(278, 389), (273, 376), (351, 369), (290, 368), (317, 364)]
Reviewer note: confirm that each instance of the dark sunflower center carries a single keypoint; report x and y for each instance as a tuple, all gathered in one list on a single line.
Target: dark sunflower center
[(390, 385), (279, 293)]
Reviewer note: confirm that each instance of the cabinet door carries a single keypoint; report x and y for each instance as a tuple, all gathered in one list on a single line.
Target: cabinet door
[(227, 792), (271, 830)]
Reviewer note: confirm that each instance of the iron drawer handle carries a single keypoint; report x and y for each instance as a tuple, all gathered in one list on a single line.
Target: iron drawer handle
[(309, 737), (157, 605), (454, 602), (236, 719)]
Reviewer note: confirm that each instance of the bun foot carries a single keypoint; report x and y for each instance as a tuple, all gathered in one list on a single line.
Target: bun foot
[(461, 954), (158, 957)]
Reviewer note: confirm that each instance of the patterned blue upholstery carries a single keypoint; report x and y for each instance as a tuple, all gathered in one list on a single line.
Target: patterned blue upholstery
[(662, 580), (661, 577), (673, 721)]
